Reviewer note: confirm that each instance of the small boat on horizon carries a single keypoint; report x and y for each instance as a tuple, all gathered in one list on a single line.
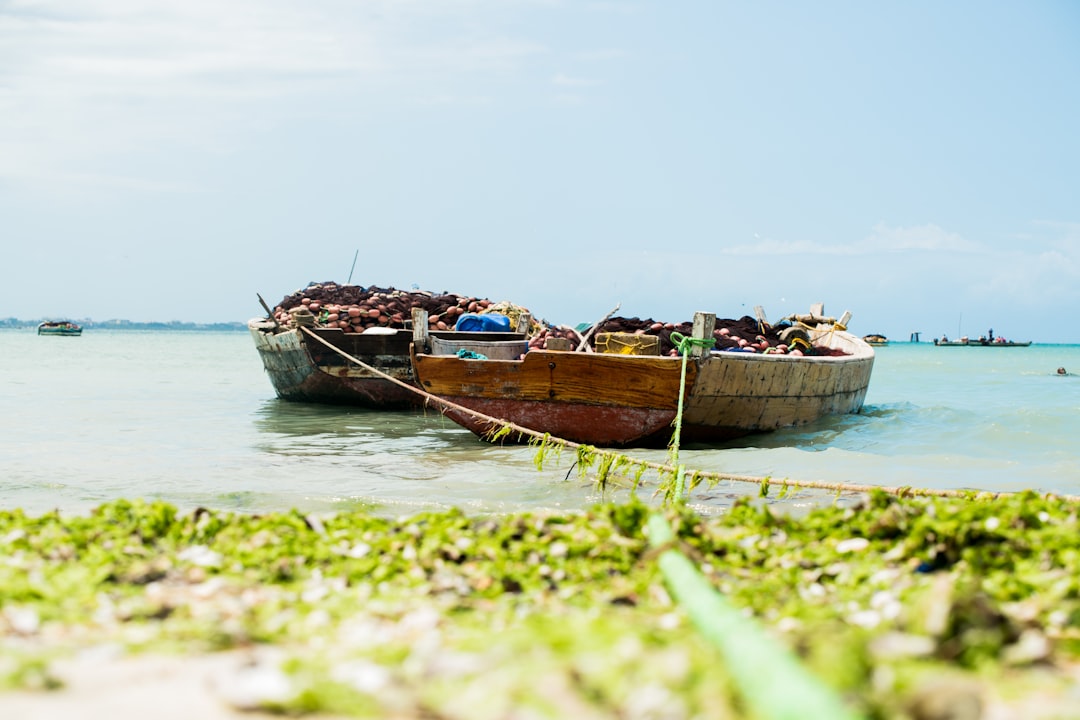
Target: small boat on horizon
[(876, 339), (979, 342), (59, 327)]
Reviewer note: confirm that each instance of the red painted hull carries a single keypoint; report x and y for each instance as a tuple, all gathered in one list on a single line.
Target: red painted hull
[(577, 422), (590, 398)]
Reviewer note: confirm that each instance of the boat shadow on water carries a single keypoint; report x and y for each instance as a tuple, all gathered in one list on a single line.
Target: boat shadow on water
[(819, 435), (283, 424)]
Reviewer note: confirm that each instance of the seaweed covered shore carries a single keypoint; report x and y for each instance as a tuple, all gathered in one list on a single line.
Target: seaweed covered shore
[(907, 608)]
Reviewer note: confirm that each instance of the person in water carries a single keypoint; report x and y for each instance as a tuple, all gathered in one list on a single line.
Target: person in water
[(1061, 371)]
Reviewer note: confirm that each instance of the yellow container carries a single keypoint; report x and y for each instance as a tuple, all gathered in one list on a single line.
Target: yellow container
[(627, 344)]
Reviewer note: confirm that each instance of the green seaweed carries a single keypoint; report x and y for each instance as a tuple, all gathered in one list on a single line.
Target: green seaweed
[(561, 612)]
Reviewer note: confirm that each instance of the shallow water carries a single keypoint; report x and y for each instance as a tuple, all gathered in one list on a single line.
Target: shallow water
[(191, 418)]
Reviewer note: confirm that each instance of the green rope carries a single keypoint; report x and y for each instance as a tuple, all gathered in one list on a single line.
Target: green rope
[(774, 685), (682, 344)]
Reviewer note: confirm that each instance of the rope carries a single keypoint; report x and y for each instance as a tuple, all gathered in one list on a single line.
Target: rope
[(433, 399), (763, 481), (757, 663), (683, 344)]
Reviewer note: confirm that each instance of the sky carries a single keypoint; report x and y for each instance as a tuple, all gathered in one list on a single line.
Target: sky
[(916, 163)]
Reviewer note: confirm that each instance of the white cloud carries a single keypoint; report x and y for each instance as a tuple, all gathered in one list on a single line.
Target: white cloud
[(82, 82), (110, 47), (882, 239), (1044, 268), (921, 237)]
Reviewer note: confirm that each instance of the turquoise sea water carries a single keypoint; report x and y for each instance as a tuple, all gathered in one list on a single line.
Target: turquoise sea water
[(191, 418)]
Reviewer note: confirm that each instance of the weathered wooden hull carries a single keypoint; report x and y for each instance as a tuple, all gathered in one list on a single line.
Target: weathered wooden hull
[(738, 394), (301, 369), (305, 370), (608, 400), (620, 400)]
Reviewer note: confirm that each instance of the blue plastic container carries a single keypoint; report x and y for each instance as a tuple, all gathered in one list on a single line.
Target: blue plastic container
[(488, 322)]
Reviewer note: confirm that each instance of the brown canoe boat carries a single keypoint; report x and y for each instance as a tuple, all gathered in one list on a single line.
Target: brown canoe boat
[(616, 400)]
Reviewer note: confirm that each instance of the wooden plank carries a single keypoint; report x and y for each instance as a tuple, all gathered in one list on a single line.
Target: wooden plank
[(587, 378), (420, 329), (704, 324), (747, 393)]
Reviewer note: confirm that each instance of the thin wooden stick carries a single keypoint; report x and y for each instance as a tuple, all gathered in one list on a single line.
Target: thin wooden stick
[(584, 346), (269, 313)]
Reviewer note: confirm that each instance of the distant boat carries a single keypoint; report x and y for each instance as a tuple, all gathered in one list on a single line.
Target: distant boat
[(979, 342), (875, 339), (59, 327)]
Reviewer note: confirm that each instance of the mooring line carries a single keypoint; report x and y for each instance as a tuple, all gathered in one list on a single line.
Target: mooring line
[(758, 664), (766, 482)]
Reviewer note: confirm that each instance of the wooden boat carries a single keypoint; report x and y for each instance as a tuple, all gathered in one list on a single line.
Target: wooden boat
[(617, 400), (59, 327), (304, 363), (876, 340)]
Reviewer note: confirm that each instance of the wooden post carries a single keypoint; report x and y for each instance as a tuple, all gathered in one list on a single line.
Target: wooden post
[(845, 319), (762, 323), (420, 337), (704, 324), (523, 323)]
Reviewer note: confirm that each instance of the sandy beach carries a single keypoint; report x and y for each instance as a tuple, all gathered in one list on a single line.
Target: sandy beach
[(104, 686)]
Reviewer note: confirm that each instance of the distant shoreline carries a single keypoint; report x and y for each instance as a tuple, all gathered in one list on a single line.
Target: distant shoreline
[(15, 324)]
